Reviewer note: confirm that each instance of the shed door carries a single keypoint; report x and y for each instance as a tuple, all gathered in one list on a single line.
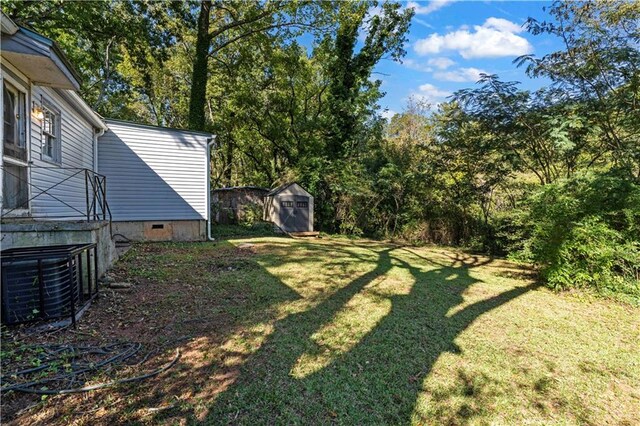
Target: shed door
[(294, 214), (287, 214), (302, 214)]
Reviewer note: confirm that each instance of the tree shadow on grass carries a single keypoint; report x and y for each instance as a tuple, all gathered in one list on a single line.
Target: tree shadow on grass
[(223, 295), (378, 379)]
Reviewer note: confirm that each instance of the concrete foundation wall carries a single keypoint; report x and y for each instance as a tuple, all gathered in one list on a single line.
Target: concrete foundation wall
[(47, 233), (167, 230)]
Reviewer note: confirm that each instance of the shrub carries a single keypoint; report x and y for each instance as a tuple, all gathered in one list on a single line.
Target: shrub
[(251, 214), (594, 255), (507, 232), (585, 232)]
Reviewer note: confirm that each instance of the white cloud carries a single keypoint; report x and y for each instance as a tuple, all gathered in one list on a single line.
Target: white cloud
[(503, 25), (416, 65), (496, 37), (388, 114), (425, 8), (431, 94), (422, 22), (430, 89), (441, 63), (460, 75)]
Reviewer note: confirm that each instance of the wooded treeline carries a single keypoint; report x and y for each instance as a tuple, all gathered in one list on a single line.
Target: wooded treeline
[(288, 87)]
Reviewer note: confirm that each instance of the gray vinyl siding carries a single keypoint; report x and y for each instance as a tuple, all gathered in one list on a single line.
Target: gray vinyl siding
[(76, 136), (154, 173)]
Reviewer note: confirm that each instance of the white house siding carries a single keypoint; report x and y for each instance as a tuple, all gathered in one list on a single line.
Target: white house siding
[(154, 173), (77, 154)]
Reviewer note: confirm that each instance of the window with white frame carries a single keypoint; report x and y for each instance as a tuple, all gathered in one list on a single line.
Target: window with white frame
[(51, 146), (15, 174)]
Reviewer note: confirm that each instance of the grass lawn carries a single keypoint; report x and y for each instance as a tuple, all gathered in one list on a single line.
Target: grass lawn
[(334, 331)]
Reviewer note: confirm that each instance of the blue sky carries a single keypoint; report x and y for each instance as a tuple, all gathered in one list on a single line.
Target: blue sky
[(451, 42)]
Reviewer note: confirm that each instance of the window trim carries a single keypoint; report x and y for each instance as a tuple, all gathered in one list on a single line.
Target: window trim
[(26, 92), (21, 123), (48, 107)]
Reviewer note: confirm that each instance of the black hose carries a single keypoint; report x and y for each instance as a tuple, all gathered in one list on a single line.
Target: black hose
[(79, 360), (100, 385), (126, 240)]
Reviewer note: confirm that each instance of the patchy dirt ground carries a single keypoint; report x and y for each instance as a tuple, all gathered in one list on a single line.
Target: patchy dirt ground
[(169, 306), (281, 331)]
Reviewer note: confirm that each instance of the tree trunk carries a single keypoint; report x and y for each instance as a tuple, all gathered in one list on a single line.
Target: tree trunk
[(229, 160), (198, 97)]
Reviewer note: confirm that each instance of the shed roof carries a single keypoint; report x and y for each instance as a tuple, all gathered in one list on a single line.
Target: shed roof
[(279, 189), (237, 188), (151, 126)]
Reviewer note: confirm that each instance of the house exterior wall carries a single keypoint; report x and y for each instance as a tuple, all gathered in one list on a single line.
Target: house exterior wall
[(154, 174), (272, 204), (77, 146), (54, 215), (77, 153)]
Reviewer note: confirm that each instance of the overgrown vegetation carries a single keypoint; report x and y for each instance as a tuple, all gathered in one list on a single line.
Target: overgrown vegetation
[(288, 87), (253, 229), (584, 233)]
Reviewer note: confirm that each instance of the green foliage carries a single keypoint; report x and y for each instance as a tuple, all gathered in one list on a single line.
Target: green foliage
[(251, 214), (597, 70), (594, 255), (527, 132), (351, 94), (100, 37), (257, 229), (585, 232)]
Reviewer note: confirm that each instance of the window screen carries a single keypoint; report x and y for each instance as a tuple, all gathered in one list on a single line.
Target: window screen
[(15, 189)]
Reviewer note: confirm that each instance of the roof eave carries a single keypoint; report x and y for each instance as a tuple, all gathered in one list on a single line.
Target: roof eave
[(89, 114), (7, 25), (37, 56)]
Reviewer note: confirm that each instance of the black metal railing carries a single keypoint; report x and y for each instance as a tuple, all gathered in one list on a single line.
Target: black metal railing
[(96, 196), (71, 193)]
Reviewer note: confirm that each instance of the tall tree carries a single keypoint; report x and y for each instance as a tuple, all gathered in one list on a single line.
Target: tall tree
[(598, 70), (351, 93), (233, 21), (200, 71)]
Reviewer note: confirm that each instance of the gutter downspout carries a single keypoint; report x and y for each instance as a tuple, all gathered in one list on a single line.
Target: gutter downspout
[(96, 135), (210, 144)]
